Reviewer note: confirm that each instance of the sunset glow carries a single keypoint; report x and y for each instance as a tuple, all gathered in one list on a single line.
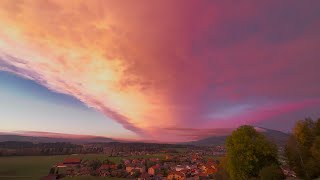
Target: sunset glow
[(170, 70)]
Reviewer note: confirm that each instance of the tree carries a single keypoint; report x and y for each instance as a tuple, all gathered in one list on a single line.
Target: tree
[(149, 164), (94, 164), (315, 149), (165, 173), (271, 173), (222, 174), (304, 132), (303, 149), (107, 161), (248, 152), (52, 170), (294, 157), (317, 127), (120, 166), (136, 174)]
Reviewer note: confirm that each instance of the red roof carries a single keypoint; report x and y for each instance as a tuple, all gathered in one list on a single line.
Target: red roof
[(177, 173), (72, 161), (60, 164), (203, 174), (156, 166), (107, 166), (144, 175), (212, 164)]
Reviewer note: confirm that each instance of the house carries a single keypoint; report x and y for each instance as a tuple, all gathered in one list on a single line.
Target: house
[(152, 170), (176, 175), (136, 161), (126, 161), (144, 176), (194, 171), (131, 167), (68, 165), (169, 157), (212, 164), (202, 175), (209, 168), (60, 165), (195, 157), (154, 159), (182, 167), (72, 162)]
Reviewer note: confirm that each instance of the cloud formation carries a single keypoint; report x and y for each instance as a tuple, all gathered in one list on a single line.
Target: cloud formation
[(153, 66)]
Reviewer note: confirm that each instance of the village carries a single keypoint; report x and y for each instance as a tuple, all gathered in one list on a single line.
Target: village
[(178, 166), (116, 160)]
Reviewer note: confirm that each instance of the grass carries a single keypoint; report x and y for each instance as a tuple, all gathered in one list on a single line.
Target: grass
[(35, 167), (90, 177), (213, 157), (28, 167), (181, 150)]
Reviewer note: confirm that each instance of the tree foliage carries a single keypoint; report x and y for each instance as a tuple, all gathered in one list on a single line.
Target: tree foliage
[(248, 152), (107, 161), (94, 164), (272, 172), (303, 149), (222, 174)]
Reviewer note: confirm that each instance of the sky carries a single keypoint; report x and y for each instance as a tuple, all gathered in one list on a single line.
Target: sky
[(158, 70)]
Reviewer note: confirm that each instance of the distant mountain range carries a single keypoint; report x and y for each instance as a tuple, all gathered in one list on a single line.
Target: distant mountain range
[(278, 137), (275, 136), (39, 139)]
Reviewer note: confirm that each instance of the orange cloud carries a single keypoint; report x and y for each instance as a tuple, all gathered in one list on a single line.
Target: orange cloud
[(85, 50)]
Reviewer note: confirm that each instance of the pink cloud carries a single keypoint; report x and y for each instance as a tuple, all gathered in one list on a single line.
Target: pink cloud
[(157, 65)]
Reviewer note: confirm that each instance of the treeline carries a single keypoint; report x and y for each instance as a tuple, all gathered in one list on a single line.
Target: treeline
[(129, 147), (13, 148), (250, 155), (126, 149), (20, 148)]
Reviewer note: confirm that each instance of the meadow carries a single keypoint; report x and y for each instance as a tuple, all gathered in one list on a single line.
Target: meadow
[(27, 167), (35, 167), (91, 178)]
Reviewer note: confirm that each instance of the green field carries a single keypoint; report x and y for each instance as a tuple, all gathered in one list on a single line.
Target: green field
[(27, 167), (35, 167), (89, 178)]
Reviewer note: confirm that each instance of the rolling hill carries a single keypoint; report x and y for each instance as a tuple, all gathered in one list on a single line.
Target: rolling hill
[(39, 139), (275, 136)]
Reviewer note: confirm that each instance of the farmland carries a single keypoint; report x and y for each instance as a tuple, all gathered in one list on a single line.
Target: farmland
[(34, 167), (27, 167)]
